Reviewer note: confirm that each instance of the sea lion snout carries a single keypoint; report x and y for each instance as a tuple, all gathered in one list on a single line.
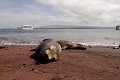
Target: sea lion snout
[(52, 55)]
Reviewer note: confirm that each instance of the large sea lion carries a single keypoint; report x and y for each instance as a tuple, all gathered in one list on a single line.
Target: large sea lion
[(47, 51)]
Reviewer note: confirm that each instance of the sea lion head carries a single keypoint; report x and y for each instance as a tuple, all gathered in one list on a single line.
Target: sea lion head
[(52, 53)]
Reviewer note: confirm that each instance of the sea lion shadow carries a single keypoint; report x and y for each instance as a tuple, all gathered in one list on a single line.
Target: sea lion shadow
[(39, 60)]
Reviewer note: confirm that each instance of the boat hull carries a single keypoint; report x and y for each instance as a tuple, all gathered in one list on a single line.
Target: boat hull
[(25, 28)]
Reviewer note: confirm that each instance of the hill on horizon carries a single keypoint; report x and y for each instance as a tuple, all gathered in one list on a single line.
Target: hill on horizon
[(71, 27)]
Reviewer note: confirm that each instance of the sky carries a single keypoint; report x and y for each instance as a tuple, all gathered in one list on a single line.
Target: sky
[(104, 13)]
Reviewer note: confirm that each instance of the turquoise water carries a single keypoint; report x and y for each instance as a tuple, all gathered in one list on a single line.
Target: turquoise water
[(84, 36)]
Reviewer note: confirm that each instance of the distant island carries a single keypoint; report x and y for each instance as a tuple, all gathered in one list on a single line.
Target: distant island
[(72, 27)]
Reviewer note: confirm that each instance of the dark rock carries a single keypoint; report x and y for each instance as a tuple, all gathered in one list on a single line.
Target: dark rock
[(2, 46)]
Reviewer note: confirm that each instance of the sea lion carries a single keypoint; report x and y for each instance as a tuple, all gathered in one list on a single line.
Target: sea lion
[(71, 45), (47, 51)]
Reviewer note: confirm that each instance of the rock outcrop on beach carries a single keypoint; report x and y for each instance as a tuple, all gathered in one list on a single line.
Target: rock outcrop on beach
[(116, 47), (70, 45), (2, 46)]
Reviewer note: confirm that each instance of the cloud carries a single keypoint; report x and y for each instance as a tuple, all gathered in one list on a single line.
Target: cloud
[(59, 12), (12, 19), (33, 14), (90, 11)]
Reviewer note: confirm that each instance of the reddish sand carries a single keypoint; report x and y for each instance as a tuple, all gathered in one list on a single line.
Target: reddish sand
[(96, 63)]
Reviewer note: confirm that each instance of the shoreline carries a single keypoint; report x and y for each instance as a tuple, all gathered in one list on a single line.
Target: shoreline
[(87, 46), (83, 43)]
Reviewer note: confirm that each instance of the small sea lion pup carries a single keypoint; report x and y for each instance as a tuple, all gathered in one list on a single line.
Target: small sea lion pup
[(47, 51), (70, 45)]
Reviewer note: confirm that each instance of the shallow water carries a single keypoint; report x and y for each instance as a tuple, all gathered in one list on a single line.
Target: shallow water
[(104, 37)]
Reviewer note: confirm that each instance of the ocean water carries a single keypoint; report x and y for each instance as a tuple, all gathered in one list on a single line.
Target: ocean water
[(104, 37)]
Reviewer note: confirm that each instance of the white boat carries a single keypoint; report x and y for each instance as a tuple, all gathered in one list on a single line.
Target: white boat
[(25, 27)]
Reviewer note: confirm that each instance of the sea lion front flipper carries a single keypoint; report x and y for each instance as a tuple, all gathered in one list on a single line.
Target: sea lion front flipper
[(32, 49)]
